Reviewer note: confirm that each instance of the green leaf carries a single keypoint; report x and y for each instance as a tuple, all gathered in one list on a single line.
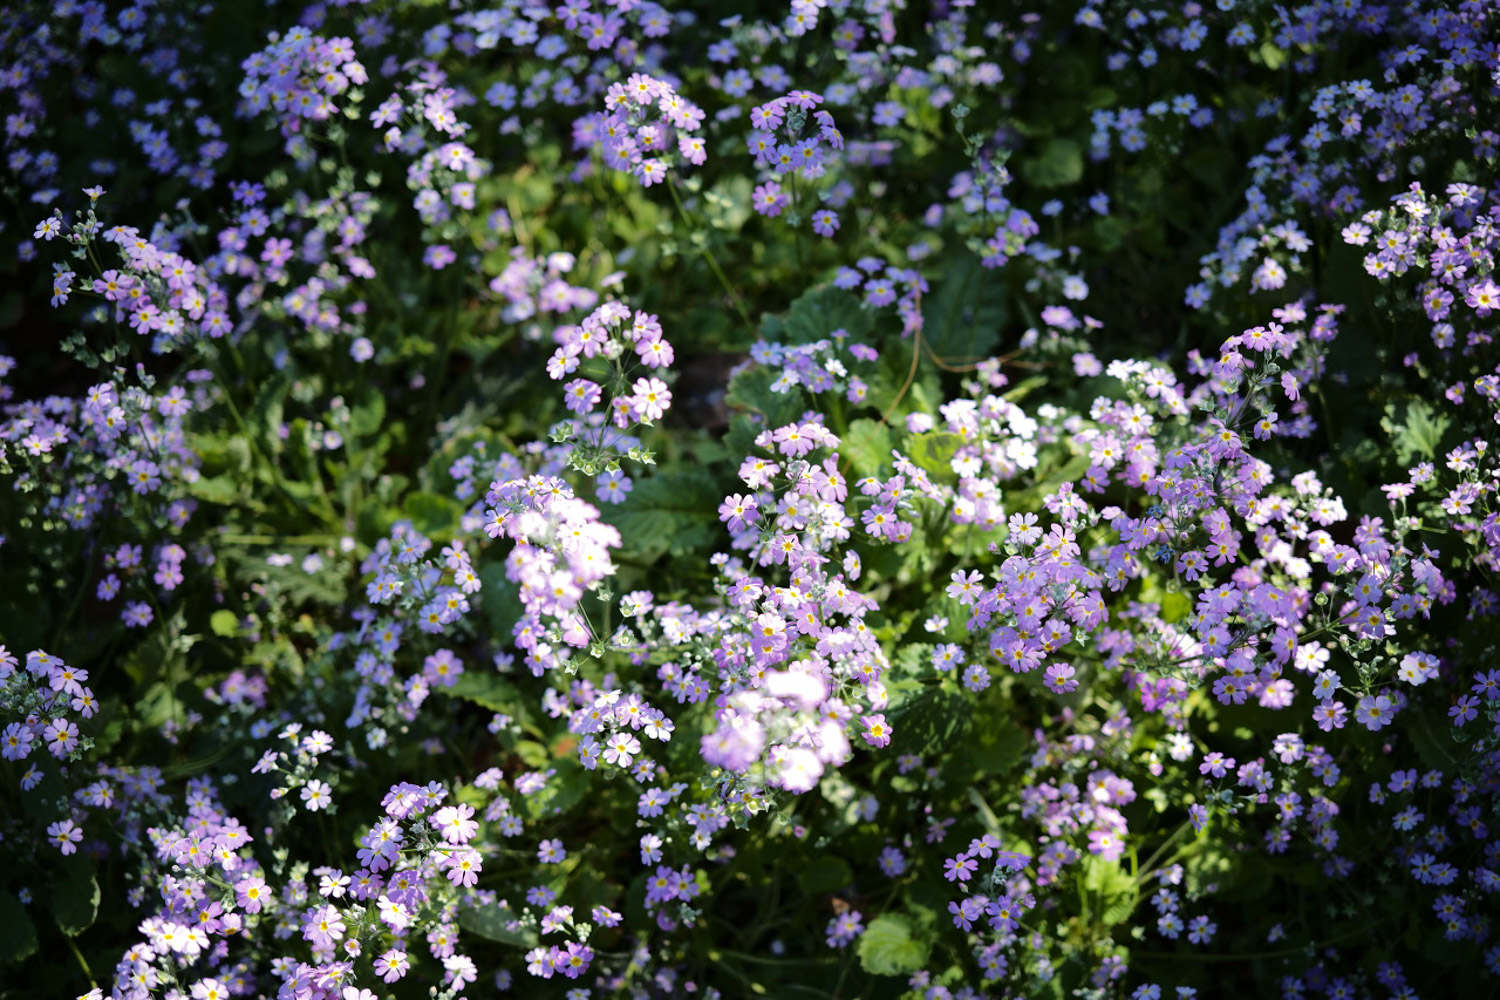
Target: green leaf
[(500, 599), (1174, 606), (432, 513), (675, 514), (816, 315), (75, 899), (1273, 57), (266, 412), (1058, 164), (224, 623), (930, 721), (17, 932), (963, 318), (487, 690), (933, 451), (888, 947), (563, 790), (1114, 886), (220, 490), (727, 204), (867, 446), (826, 874), (366, 418), (750, 390), (1416, 429), (497, 924)]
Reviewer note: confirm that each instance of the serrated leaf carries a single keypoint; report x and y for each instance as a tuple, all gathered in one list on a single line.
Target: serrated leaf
[(487, 690), (1416, 429), (867, 446), (816, 315), (933, 451), (497, 924), (963, 318), (676, 514), (889, 947)]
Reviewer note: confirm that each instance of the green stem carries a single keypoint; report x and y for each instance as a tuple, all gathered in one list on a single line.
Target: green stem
[(713, 262), (83, 963), (1146, 869), (240, 538)]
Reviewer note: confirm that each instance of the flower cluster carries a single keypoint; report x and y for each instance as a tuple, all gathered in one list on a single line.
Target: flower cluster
[(647, 128), (299, 76)]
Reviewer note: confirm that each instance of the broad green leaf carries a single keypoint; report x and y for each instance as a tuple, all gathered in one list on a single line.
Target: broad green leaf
[(17, 932), (487, 690), (826, 874), (933, 451), (1174, 606), (889, 947), (817, 315), (75, 899), (676, 514), (432, 513), (963, 318), (1058, 164), (867, 446), (930, 721), (220, 490), (497, 924), (365, 419), (224, 623), (564, 790), (1416, 429), (750, 390), (1114, 886)]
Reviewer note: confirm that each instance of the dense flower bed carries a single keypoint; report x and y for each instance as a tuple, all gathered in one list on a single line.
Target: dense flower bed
[(858, 498)]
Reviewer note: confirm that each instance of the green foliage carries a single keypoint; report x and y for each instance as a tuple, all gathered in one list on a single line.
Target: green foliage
[(933, 451), (1416, 429), (816, 315), (75, 897), (1113, 888), (18, 940), (433, 514), (867, 446), (963, 319), (751, 391), (497, 923), (1059, 164), (673, 514), (891, 946)]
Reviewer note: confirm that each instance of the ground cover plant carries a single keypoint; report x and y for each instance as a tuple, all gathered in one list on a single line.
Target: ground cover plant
[(855, 498)]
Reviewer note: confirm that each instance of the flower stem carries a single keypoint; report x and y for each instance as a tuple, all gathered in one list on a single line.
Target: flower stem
[(713, 262)]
